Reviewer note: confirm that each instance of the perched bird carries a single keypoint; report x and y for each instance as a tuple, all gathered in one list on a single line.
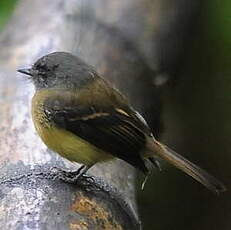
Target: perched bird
[(80, 116)]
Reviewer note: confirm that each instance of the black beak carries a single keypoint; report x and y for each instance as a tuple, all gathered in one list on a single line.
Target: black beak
[(25, 71)]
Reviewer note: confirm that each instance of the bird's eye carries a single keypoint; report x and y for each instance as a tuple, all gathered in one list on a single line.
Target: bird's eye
[(42, 68)]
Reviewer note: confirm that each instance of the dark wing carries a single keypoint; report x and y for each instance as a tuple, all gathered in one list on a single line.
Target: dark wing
[(114, 130)]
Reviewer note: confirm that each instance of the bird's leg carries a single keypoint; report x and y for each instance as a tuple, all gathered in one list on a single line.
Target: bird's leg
[(145, 180), (82, 170), (71, 176), (155, 162)]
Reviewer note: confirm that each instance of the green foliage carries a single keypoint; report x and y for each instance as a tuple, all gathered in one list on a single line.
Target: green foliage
[(6, 8), (220, 19)]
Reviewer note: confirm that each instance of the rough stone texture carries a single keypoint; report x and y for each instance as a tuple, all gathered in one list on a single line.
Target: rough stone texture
[(36, 199)]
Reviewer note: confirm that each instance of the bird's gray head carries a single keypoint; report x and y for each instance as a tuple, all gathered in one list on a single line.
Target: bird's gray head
[(59, 70)]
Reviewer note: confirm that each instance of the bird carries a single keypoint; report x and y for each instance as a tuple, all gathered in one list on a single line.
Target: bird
[(79, 115)]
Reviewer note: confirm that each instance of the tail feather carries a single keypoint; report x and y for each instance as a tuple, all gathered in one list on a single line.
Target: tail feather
[(186, 166)]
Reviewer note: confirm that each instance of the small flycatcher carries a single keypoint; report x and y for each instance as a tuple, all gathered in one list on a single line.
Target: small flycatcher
[(80, 116)]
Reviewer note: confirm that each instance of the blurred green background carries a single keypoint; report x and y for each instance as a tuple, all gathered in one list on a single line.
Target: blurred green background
[(6, 8), (197, 120)]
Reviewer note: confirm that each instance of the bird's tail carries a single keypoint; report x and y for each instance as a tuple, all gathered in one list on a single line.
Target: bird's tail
[(186, 166)]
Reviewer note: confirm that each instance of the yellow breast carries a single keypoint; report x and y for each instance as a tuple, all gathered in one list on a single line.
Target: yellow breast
[(62, 141)]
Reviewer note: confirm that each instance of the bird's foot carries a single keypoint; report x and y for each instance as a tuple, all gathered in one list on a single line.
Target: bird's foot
[(69, 176)]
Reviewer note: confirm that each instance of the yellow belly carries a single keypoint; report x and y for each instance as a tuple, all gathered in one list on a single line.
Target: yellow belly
[(60, 140), (70, 146)]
